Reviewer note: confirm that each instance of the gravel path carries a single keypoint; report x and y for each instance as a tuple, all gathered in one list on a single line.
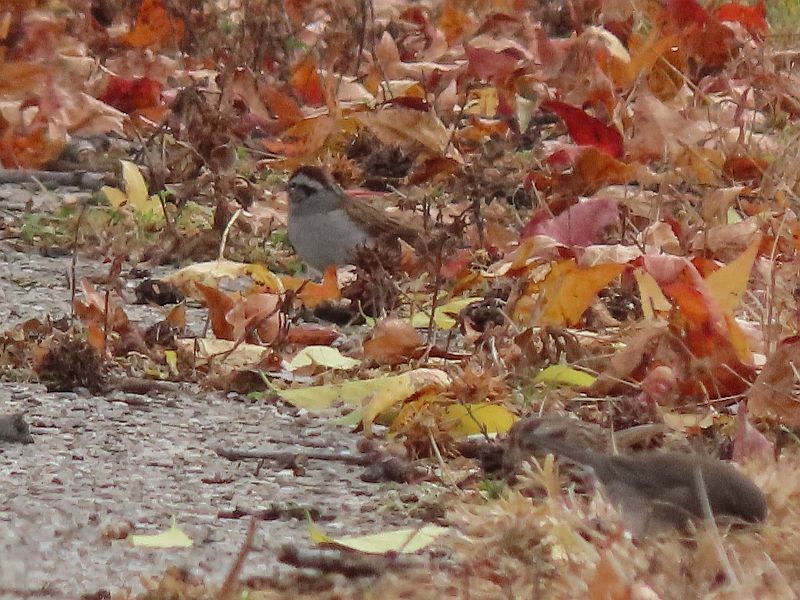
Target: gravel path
[(102, 464)]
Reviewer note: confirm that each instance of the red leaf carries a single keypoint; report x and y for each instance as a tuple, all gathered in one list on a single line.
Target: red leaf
[(752, 18), (579, 225), (686, 12), (587, 130), (130, 95)]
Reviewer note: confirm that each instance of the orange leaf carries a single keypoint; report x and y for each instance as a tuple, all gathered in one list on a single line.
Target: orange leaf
[(219, 303), (282, 106), (154, 27), (177, 316), (306, 82), (745, 168), (569, 290), (256, 318), (313, 294), (303, 139), (455, 23)]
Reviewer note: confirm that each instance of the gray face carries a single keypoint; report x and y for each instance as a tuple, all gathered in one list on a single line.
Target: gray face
[(320, 229), (309, 195)]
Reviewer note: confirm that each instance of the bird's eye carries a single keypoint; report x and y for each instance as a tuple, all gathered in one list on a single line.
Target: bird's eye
[(305, 190)]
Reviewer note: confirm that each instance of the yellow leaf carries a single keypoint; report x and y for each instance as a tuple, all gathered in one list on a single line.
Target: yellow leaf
[(136, 190), (115, 196), (569, 290), (135, 194), (222, 353), (135, 186), (399, 389), (374, 395), (653, 299), (480, 417), (323, 356), (171, 358), (727, 284), (316, 534), (564, 374), (687, 422), (263, 277), (402, 541), (484, 102), (173, 537), (212, 272)]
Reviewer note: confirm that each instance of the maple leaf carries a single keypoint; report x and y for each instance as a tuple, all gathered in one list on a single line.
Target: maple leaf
[(587, 130)]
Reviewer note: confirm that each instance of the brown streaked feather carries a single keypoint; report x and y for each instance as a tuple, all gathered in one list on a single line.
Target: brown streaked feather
[(380, 223)]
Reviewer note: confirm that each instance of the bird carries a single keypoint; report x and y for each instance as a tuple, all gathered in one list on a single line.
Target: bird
[(326, 225), (655, 490)]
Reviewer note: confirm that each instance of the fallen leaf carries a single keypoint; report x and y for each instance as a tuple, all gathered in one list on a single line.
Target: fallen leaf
[(463, 420), (580, 225), (173, 537), (564, 374), (587, 130), (322, 356), (402, 541), (569, 290)]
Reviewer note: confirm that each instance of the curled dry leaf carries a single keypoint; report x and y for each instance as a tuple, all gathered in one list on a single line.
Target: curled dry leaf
[(773, 393), (254, 318), (393, 342)]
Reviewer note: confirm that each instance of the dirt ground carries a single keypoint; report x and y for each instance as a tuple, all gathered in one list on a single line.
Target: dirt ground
[(101, 462)]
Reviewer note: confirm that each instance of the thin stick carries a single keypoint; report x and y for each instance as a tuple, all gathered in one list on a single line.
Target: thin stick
[(709, 517), (228, 588)]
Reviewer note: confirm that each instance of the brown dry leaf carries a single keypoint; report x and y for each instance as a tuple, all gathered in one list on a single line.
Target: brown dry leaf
[(495, 59), (304, 139), (773, 393), (253, 318), (411, 129), (594, 169), (392, 342), (749, 443), (92, 309)]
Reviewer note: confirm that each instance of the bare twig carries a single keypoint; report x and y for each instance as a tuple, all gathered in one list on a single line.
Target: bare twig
[(228, 589), (290, 457), (349, 564), (54, 179)]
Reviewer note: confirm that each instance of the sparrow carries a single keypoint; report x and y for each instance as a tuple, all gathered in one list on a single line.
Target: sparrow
[(655, 490), (326, 225)]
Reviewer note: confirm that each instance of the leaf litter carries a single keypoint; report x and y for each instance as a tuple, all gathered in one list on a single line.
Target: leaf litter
[(608, 193)]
